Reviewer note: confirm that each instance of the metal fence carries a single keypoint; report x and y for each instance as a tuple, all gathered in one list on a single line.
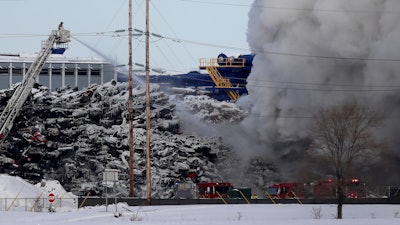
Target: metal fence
[(384, 191), (36, 204), (43, 205), (376, 195)]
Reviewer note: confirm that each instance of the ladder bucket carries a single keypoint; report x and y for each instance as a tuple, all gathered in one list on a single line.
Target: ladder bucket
[(58, 51)]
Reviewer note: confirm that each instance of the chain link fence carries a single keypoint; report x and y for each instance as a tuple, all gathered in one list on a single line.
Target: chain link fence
[(372, 195), (36, 204)]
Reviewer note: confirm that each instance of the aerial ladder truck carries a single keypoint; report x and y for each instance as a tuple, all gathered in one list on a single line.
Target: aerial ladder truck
[(57, 43)]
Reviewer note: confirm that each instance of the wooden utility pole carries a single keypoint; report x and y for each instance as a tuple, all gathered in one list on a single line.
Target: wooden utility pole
[(130, 105), (148, 164)]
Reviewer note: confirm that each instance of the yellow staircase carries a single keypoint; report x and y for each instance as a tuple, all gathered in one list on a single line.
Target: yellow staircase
[(211, 66)]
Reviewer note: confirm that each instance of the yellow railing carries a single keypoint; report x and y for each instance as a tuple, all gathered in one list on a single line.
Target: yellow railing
[(225, 62), (211, 66), (270, 197), (218, 79), (221, 82), (295, 197), (84, 200), (244, 197), (222, 198)]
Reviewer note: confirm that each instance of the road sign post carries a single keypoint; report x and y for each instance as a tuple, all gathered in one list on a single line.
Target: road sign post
[(51, 199)]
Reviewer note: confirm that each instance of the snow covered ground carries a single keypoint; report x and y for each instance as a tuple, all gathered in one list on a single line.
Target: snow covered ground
[(211, 215), (280, 214)]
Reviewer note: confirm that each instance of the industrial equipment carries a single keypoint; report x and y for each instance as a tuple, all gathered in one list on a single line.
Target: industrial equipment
[(225, 80), (218, 67), (57, 43)]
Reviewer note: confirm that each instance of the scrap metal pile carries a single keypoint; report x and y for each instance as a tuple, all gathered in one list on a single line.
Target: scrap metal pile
[(73, 136)]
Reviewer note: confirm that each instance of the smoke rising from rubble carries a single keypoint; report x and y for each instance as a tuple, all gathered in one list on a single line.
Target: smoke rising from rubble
[(312, 53)]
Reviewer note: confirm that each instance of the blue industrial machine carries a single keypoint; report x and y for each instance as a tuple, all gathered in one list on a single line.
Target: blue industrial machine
[(229, 75), (226, 77)]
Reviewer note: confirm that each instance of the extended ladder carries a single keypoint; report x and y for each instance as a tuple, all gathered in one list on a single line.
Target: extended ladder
[(211, 66), (14, 105)]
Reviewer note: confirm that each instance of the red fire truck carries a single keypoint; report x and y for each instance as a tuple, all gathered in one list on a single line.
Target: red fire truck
[(286, 190), (321, 189), (214, 189)]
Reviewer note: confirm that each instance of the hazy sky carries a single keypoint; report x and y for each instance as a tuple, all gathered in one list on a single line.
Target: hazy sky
[(198, 28)]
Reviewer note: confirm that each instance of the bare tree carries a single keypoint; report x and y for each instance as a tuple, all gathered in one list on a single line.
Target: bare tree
[(342, 135)]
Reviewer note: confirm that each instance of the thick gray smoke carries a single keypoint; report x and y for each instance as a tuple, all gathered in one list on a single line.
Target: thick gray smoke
[(312, 53)]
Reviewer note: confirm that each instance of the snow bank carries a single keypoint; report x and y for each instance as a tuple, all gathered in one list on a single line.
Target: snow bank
[(18, 195)]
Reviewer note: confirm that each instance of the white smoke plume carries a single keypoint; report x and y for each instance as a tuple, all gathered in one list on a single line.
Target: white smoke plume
[(312, 53)]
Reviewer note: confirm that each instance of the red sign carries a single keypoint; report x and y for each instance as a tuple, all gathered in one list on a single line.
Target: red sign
[(51, 197)]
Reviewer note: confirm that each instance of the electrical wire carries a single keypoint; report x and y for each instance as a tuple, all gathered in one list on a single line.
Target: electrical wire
[(282, 53), (362, 88), (294, 9), (109, 25), (319, 84), (324, 90), (21, 35), (163, 54), (171, 50), (248, 50), (170, 27)]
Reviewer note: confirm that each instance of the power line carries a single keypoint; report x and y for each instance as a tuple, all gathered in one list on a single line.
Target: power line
[(326, 57), (170, 27), (234, 48), (324, 90), (109, 24), (295, 9), (313, 83), (278, 53), (21, 35), (109, 33), (322, 84), (363, 88), (140, 33)]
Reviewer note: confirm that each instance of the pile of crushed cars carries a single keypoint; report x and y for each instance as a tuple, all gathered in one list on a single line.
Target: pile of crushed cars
[(73, 135)]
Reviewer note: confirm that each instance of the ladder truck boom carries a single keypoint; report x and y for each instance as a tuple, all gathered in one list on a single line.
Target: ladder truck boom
[(57, 40)]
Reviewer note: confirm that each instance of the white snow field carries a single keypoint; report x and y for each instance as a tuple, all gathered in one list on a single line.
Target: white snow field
[(210, 215), (19, 213)]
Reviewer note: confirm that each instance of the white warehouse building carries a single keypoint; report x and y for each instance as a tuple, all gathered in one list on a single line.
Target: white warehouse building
[(57, 72)]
